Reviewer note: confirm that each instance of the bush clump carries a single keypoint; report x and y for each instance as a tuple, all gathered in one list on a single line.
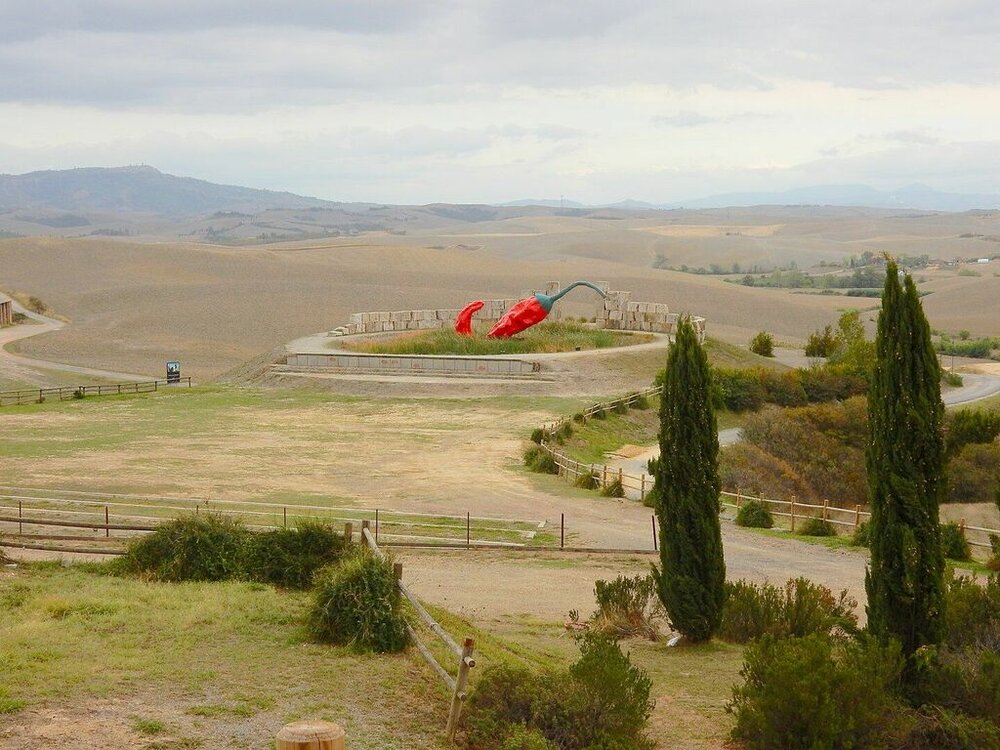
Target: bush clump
[(356, 604), (190, 548), (814, 526), (602, 702), (972, 613), (953, 542), (762, 344), (537, 435), (754, 514), (801, 608), (539, 460), (291, 557), (814, 692), (588, 480), (627, 607), (640, 402), (862, 534), (613, 488)]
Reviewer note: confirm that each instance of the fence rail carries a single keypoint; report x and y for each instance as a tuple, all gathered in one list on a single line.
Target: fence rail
[(66, 393), (792, 509), (466, 661), (27, 514)]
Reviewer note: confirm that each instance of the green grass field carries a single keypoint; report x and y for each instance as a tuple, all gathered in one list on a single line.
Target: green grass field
[(542, 338)]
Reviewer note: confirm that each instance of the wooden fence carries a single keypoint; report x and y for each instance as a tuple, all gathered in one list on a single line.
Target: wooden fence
[(457, 684), (66, 393), (30, 518), (791, 511)]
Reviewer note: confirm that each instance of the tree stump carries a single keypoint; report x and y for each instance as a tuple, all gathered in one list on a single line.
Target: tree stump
[(311, 735)]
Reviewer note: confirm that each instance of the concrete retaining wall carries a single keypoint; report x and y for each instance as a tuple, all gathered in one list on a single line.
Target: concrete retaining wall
[(407, 364)]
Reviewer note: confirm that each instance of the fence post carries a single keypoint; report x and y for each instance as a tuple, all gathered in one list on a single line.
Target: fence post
[(961, 528), (458, 698), (739, 498), (349, 531), (562, 530), (653, 518), (605, 482), (642, 487), (620, 476), (826, 510), (792, 512), (107, 522), (376, 525), (284, 516), (397, 574), (468, 530), (20, 515), (857, 516)]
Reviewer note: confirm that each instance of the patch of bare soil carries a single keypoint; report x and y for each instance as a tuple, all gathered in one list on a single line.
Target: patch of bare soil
[(148, 721)]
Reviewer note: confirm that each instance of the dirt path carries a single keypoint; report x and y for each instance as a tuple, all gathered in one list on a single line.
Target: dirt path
[(29, 370)]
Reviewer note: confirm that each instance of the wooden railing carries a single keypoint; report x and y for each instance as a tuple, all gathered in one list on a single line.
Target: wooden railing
[(66, 393)]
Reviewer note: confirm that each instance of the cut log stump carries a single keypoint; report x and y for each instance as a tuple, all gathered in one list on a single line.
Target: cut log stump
[(311, 735)]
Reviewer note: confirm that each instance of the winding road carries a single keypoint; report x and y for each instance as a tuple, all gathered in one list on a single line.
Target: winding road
[(30, 370)]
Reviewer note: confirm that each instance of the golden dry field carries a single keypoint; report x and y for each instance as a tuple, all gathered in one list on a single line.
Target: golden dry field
[(133, 305)]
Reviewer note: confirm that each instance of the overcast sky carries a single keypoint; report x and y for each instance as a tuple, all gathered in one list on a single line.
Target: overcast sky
[(407, 101)]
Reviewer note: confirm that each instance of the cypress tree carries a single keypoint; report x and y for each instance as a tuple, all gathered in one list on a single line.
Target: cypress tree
[(691, 579), (905, 462)]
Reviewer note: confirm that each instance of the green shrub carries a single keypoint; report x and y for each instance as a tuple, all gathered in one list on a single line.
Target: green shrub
[(601, 703), (802, 608), (966, 680), (537, 435), (627, 607), (970, 426), (588, 480), (935, 728), (356, 603), (783, 388), (862, 534), (953, 542), (972, 613), (519, 737), (640, 402), (973, 473), (613, 488), (79, 393), (951, 378), (741, 389), (190, 548), (762, 344), (808, 693), (816, 527), (565, 430), (754, 514), (579, 418), (993, 563), (540, 460), (600, 414), (821, 343), (291, 557), (620, 407)]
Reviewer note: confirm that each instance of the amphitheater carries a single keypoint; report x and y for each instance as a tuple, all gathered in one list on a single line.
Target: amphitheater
[(322, 355)]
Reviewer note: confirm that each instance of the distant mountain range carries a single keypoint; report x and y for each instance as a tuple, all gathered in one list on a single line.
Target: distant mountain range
[(143, 190), (915, 196)]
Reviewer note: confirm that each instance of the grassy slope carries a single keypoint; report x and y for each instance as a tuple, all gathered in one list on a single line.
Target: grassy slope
[(591, 441), (204, 660), (207, 663)]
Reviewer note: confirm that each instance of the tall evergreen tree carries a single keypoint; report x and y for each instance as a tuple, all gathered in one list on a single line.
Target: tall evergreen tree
[(905, 462), (691, 580)]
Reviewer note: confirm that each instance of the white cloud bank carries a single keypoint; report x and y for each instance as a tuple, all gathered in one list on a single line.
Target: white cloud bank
[(488, 101)]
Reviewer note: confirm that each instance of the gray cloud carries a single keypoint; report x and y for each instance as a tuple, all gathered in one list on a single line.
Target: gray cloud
[(225, 54)]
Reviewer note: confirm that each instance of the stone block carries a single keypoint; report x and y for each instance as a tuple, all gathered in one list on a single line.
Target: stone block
[(616, 315)]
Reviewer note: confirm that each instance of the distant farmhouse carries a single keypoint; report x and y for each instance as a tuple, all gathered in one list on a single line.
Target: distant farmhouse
[(6, 310)]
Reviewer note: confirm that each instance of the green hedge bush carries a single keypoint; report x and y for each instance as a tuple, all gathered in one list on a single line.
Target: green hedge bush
[(800, 608), (539, 460), (205, 547), (356, 604), (814, 526), (953, 542), (754, 514), (809, 693), (290, 557), (627, 607), (601, 703)]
